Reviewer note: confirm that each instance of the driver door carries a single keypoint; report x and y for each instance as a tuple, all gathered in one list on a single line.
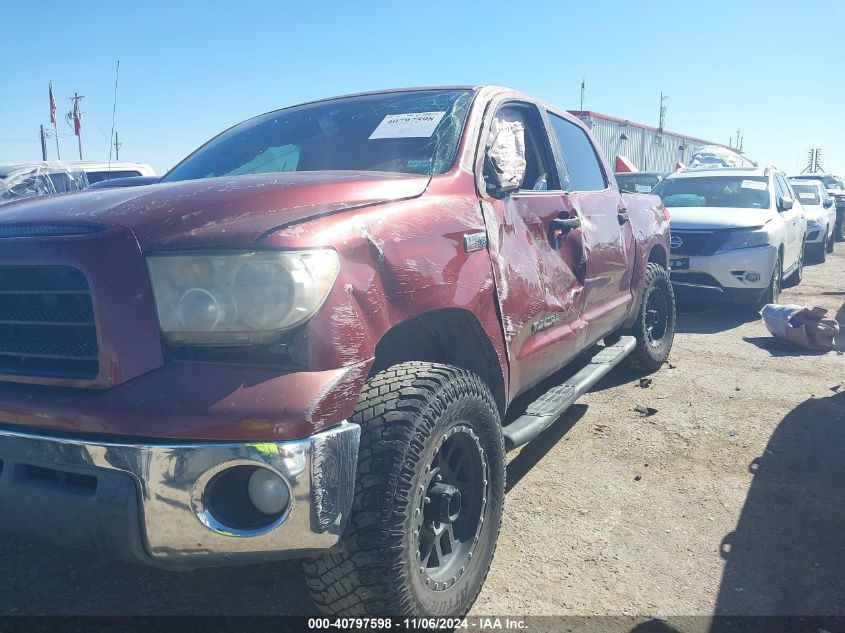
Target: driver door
[(535, 265)]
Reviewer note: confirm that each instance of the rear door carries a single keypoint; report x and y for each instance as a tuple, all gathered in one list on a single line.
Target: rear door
[(608, 239)]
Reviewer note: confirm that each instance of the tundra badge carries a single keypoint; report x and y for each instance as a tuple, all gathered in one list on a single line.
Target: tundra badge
[(475, 242)]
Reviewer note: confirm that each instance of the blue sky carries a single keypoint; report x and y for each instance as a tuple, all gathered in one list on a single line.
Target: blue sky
[(190, 69)]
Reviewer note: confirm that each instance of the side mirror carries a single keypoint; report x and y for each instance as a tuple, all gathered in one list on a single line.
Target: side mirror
[(827, 203), (504, 159), (784, 204), (503, 176)]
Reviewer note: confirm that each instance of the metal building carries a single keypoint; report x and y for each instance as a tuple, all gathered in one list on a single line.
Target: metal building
[(649, 148)]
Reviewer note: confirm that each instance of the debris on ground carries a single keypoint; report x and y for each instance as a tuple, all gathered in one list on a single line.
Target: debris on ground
[(646, 411), (733, 432), (806, 326), (836, 388), (645, 383)]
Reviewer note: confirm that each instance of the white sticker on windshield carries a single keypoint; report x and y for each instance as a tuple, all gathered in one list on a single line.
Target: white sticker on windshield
[(753, 184), (643, 188), (809, 195), (408, 125)]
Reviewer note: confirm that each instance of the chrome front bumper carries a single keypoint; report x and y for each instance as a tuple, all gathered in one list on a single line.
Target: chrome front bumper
[(52, 472)]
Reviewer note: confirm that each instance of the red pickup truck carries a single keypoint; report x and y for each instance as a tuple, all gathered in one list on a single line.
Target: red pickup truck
[(304, 340)]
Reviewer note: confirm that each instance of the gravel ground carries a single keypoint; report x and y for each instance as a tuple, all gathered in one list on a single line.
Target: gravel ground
[(728, 500)]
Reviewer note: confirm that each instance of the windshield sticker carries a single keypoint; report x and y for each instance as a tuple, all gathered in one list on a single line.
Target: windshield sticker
[(809, 195), (409, 125), (753, 184), (643, 188)]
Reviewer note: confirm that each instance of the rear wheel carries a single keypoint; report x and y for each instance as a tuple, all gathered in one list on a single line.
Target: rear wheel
[(428, 498), (839, 233), (655, 325)]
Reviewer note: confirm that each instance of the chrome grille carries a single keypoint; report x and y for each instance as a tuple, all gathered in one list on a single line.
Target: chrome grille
[(47, 323), (698, 242)]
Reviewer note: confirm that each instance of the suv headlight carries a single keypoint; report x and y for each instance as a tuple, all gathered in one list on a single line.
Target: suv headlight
[(240, 298), (746, 238)]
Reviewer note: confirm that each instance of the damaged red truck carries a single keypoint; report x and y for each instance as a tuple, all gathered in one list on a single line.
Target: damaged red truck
[(304, 341)]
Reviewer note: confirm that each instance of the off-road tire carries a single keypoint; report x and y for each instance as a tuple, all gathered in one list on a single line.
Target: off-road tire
[(649, 355), (406, 413)]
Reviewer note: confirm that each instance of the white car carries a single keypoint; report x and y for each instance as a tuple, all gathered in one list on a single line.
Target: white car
[(104, 170), (821, 216), (737, 232), (27, 180)]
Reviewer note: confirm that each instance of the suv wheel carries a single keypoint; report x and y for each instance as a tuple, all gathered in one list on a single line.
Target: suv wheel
[(772, 293), (839, 231), (830, 240), (428, 500), (655, 326)]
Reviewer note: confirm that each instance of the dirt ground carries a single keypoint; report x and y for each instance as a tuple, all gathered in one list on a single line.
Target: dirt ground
[(728, 500)]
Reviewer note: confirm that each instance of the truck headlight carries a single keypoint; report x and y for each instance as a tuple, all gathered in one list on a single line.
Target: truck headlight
[(238, 298), (746, 238)]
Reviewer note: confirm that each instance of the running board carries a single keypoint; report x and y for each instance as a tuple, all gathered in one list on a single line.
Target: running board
[(547, 408)]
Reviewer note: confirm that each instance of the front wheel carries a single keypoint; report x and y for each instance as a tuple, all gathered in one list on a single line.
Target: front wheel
[(773, 290), (830, 240), (655, 325), (428, 498), (839, 232)]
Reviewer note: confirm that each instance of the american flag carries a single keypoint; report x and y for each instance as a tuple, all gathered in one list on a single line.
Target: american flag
[(52, 105)]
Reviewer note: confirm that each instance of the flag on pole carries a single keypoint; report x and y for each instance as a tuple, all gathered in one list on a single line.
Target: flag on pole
[(52, 105), (77, 117)]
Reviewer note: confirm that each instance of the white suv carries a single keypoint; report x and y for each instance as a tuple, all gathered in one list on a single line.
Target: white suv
[(737, 232)]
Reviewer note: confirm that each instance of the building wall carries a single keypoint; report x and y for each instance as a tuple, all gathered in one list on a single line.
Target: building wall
[(647, 149)]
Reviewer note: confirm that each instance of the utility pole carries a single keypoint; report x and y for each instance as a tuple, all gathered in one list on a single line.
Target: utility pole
[(117, 147), (662, 124), (814, 162), (739, 139), (583, 90), (77, 120), (43, 144)]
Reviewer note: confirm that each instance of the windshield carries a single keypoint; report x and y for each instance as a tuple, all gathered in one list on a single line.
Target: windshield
[(830, 182), (807, 194), (414, 132), (637, 183), (746, 192)]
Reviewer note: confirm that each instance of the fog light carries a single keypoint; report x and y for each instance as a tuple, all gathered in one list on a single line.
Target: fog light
[(752, 276), (267, 492)]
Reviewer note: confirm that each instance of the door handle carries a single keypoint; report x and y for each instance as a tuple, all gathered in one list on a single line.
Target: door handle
[(623, 216), (566, 224)]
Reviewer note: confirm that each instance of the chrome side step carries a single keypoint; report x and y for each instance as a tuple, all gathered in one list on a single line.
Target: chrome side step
[(541, 413)]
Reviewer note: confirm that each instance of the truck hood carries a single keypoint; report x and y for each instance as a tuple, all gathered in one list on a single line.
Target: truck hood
[(217, 212), (704, 218)]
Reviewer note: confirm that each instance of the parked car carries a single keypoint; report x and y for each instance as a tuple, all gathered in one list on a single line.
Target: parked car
[(27, 180), (311, 332), (836, 190), (639, 181), (131, 181), (737, 232), (105, 170), (821, 216)]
